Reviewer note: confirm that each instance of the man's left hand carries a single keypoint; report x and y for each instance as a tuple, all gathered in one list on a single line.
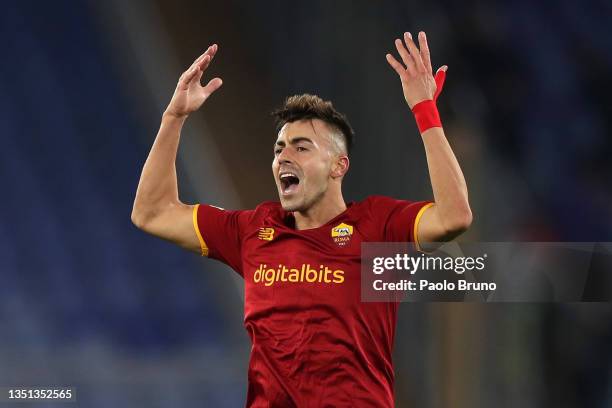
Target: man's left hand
[(415, 73)]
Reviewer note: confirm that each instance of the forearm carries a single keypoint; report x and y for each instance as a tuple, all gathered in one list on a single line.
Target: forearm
[(447, 181), (451, 214), (158, 186)]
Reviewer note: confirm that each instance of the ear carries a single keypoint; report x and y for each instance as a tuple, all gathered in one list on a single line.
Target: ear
[(340, 167)]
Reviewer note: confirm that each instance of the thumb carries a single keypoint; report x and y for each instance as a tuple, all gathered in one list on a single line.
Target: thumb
[(440, 78), (213, 85)]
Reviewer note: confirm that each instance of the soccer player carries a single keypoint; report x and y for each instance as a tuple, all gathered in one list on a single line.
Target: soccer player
[(314, 343)]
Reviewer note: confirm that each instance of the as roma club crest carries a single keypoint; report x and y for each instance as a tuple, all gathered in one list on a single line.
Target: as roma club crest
[(341, 234)]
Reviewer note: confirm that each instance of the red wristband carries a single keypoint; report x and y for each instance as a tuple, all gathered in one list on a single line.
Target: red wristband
[(426, 115)]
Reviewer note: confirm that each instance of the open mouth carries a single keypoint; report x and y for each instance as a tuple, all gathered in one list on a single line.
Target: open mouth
[(289, 182)]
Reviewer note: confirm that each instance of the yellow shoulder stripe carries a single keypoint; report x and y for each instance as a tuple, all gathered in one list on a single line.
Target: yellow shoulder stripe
[(203, 246), (416, 225)]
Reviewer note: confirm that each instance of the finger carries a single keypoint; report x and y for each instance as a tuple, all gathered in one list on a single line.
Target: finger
[(197, 78), (406, 58), (414, 52), (205, 62), (398, 67), (425, 51), (199, 59), (210, 51), (440, 78), (187, 77), (212, 85)]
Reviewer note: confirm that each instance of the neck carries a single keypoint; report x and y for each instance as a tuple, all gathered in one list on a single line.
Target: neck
[(320, 213)]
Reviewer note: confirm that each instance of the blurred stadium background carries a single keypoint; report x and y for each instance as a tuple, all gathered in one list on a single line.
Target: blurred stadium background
[(87, 300)]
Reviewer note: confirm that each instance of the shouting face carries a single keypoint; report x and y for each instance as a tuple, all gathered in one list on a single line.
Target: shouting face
[(309, 157)]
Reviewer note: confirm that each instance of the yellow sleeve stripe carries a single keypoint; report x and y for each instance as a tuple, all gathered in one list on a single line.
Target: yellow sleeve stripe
[(416, 225), (203, 246)]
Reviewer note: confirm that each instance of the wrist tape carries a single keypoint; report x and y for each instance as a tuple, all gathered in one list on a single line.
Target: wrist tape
[(426, 112), (426, 115)]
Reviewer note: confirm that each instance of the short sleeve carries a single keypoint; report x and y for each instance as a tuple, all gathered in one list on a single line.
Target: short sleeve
[(220, 233), (399, 218)]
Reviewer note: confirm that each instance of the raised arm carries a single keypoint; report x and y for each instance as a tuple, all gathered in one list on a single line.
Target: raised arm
[(451, 214), (157, 207)]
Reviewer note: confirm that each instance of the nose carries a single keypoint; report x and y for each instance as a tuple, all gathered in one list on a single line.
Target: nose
[(284, 157)]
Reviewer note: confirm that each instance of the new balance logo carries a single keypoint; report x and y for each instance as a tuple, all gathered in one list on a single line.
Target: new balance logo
[(266, 234)]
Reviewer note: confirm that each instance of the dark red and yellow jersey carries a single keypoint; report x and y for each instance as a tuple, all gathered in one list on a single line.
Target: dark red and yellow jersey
[(315, 344)]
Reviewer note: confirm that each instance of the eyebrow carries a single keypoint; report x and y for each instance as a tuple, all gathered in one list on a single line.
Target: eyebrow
[(294, 141)]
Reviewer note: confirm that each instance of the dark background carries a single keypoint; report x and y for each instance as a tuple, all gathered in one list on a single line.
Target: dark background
[(89, 301)]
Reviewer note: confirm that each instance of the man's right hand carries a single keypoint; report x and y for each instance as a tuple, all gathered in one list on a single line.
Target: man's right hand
[(190, 94), (157, 207)]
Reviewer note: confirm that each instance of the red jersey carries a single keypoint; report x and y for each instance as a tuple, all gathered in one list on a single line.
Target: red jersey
[(314, 343)]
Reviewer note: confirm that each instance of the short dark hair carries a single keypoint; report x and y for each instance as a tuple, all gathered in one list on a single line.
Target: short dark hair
[(306, 106)]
